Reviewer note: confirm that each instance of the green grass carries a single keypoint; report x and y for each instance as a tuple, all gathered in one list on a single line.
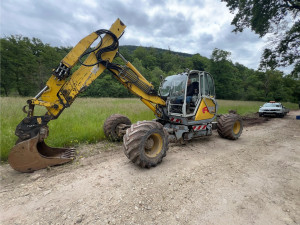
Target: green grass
[(246, 107), (83, 121)]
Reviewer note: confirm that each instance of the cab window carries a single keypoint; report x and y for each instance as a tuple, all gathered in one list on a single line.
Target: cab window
[(209, 85)]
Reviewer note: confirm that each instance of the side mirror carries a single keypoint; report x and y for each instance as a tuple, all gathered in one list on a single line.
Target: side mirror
[(260, 106)]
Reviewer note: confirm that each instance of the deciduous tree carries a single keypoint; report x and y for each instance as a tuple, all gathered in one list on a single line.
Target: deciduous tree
[(279, 19)]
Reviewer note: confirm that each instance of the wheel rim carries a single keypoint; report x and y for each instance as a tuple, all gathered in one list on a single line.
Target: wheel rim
[(236, 127), (153, 145), (118, 129)]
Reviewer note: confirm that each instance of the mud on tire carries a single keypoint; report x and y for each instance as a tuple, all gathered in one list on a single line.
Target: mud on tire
[(146, 143), (111, 124), (230, 126)]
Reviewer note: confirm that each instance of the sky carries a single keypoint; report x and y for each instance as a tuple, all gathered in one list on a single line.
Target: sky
[(190, 26)]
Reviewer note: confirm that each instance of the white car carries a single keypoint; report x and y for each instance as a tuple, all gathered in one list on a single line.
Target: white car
[(273, 109)]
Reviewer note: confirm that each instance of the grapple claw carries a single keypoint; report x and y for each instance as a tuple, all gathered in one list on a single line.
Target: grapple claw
[(32, 154)]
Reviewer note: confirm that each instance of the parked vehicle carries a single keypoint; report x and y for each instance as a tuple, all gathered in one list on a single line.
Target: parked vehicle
[(273, 108)]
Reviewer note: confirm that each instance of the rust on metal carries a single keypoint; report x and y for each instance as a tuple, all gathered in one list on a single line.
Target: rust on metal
[(32, 154)]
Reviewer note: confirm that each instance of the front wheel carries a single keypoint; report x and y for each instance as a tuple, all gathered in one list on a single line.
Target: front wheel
[(230, 126), (146, 143)]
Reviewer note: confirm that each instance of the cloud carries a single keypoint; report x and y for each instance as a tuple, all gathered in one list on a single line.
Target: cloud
[(189, 26)]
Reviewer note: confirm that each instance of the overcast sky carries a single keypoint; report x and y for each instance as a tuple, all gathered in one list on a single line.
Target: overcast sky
[(190, 26)]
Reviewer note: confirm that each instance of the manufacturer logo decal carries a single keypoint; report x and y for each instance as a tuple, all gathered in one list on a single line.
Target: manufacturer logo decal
[(205, 109)]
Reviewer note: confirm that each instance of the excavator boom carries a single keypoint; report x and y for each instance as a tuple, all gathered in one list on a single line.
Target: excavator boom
[(31, 152), (62, 88)]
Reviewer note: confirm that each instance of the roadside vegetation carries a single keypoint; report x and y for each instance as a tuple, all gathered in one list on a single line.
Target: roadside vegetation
[(26, 65), (83, 121)]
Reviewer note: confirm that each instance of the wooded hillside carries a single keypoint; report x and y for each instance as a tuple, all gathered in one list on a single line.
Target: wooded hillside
[(26, 65)]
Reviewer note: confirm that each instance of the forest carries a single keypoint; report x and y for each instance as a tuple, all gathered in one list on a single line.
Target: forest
[(26, 65)]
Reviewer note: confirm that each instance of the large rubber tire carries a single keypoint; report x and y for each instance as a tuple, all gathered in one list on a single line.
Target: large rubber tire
[(230, 126), (146, 143), (111, 124)]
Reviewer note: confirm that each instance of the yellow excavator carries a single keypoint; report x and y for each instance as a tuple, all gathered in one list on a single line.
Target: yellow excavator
[(185, 107)]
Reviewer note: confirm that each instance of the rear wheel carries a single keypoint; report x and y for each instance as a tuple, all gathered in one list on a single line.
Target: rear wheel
[(230, 126), (146, 143), (114, 127)]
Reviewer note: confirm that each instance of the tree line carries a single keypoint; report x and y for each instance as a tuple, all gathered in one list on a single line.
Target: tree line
[(26, 65)]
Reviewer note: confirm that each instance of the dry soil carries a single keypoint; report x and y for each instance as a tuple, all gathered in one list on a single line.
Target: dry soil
[(253, 180)]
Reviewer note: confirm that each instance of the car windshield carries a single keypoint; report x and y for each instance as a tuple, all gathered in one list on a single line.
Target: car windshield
[(271, 105)]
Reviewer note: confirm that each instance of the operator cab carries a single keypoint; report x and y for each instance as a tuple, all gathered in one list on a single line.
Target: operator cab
[(184, 92)]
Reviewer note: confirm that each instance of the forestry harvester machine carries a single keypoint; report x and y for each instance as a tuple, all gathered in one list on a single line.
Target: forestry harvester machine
[(185, 107)]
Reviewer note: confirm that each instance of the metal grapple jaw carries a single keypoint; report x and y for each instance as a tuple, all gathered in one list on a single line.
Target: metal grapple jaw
[(31, 152)]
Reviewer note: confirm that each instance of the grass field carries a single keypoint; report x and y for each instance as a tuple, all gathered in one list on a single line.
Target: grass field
[(83, 121)]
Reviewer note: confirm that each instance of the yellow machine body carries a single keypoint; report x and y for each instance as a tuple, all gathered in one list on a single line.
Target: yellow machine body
[(206, 110)]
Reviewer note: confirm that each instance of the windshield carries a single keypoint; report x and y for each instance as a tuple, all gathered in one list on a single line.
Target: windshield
[(173, 85), (271, 105)]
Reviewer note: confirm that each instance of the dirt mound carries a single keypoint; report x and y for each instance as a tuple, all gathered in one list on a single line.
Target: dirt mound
[(254, 119), (251, 119)]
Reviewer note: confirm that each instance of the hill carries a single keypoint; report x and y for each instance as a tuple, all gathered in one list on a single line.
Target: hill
[(26, 65), (132, 48)]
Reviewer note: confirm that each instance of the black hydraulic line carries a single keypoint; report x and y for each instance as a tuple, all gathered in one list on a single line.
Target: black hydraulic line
[(109, 48), (125, 73)]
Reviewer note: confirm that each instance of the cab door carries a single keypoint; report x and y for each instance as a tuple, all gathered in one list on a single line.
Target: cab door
[(192, 94), (208, 107)]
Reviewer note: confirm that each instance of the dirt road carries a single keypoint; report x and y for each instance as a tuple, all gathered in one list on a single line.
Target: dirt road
[(254, 180)]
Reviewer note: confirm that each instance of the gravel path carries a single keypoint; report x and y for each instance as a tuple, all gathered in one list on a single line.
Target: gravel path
[(254, 180)]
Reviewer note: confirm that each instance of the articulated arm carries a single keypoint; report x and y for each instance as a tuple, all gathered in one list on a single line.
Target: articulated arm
[(134, 81), (31, 152), (62, 88)]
